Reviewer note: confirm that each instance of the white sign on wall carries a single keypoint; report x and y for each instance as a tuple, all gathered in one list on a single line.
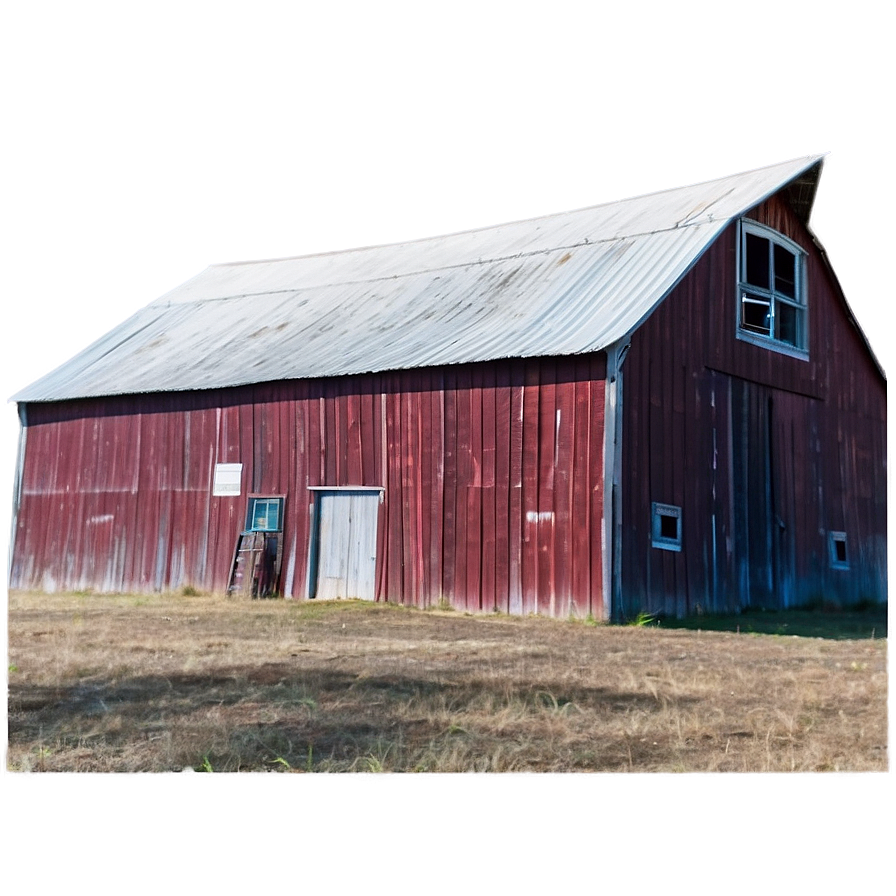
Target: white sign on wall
[(227, 480)]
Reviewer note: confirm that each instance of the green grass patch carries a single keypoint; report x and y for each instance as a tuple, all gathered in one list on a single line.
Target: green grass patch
[(838, 625)]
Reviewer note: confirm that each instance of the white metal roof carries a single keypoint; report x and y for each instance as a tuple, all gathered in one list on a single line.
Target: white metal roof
[(557, 285)]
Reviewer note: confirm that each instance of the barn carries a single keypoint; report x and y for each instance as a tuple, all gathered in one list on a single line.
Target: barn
[(661, 405)]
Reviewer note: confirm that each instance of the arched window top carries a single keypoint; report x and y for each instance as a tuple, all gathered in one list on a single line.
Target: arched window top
[(771, 290)]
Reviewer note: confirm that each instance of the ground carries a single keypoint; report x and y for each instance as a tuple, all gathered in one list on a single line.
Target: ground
[(173, 682)]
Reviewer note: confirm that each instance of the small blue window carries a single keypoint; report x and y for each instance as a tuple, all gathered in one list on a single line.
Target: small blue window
[(265, 515), (837, 549), (666, 527)]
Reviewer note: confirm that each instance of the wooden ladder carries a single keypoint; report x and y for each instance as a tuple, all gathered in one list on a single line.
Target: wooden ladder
[(255, 569)]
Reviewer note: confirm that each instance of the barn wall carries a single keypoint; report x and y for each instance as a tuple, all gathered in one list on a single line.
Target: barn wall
[(492, 477), (765, 453)]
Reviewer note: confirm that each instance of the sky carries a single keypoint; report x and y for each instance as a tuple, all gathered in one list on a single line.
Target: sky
[(142, 148), (143, 142)]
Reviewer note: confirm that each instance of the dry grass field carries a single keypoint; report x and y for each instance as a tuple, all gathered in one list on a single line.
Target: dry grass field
[(131, 683)]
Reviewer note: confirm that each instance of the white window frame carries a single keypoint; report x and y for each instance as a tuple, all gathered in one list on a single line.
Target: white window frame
[(772, 296), (657, 538)]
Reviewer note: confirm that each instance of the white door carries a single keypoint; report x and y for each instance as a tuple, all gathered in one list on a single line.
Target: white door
[(346, 548)]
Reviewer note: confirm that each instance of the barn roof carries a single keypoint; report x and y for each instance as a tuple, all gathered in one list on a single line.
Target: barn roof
[(557, 285)]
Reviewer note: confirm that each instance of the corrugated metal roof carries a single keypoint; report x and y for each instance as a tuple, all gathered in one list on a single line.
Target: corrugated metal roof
[(557, 285)]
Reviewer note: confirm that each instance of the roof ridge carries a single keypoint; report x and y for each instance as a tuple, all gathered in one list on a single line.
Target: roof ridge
[(809, 160)]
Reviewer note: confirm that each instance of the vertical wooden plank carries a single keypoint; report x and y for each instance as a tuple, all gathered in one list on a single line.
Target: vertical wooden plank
[(63, 567), (423, 424), (332, 547), (395, 551), (285, 397), (489, 598), (598, 478), (60, 526), (247, 443), (329, 434), (474, 494), (564, 473), (635, 498), (657, 585), (530, 468), (204, 478), (213, 550), (147, 502), (314, 438), (516, 516), (502, 514), (353, 462), (473, 552), (224, 522), (410, 463), (546, 600), (581, 521), (295, 577), (275, 458), (436, 491), (715, 567), (340, 431), (364, 520), (129, 525), (697, 499), (381, 437), (675, 472), (367, 438), (463, 425), (449, 510)]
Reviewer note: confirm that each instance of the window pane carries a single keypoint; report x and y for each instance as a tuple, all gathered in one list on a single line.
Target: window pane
[(787, 320), (756, 268), (668, 526), (756, 314), (264, 515), (785, 271), (269, 521)]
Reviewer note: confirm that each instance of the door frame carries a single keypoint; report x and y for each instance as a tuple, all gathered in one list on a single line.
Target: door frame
[(317, 491)]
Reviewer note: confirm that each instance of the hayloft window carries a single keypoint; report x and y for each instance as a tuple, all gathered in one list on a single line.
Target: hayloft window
[(837, 548), (666, 527), (264, 514), (771, 290)]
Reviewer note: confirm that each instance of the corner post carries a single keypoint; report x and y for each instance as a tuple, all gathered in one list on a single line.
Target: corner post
[(612, 510), (17, 489)]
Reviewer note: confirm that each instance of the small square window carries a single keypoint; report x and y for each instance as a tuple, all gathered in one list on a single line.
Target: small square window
[(666, 527), (264, 514), (837, 549)]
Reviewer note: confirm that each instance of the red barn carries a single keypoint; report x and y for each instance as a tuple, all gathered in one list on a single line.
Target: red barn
[(662, 404)]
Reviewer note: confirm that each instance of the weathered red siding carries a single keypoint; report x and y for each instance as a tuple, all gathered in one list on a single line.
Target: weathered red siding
[(492, 477), (764, 453), (493, 473)]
